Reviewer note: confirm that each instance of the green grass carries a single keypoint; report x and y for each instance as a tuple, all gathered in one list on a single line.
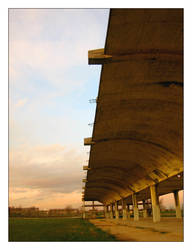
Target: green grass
[(55, 229)]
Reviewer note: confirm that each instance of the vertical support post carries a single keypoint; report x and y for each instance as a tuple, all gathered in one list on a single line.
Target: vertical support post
[(108, 214), (128, 212), (145, 215), (111, 211), (83, 208), (116, 210), (106, 211), (124, 210), (135, 207), (155, 203), (177, 204), (93, 210)]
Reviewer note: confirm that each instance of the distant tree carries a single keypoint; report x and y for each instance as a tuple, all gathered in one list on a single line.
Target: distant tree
[(68, 209)]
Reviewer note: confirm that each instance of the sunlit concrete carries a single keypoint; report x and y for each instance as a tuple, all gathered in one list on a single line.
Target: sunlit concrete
[(88, 141), (111, 211), (177, 204), (145, 215), (124, 210), (155, 203), (135, 207), (116, 211), (106, 212)]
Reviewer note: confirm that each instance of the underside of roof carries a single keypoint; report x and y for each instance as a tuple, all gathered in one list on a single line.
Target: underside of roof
[(138, 129)]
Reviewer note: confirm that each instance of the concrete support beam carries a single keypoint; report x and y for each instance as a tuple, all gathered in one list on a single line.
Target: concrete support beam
[(135, 207), (97, 56), (145, 215), (125, 212), (111, 211), (86, 168), (177, 204), (88, 141), (116, 211), (155, 203)]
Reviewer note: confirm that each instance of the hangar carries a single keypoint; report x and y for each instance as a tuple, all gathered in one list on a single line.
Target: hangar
[(136, 148)]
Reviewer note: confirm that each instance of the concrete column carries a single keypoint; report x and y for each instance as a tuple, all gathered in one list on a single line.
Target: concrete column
[(145, 215), (111, 211), (135, 207), (177, 204), (155, 203), (106, 214), (116, 211), (128, 212), (83, 208), (124, 210), (105, 211)]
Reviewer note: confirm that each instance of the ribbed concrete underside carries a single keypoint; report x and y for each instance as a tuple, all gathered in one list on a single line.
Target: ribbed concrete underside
[(138, 129)]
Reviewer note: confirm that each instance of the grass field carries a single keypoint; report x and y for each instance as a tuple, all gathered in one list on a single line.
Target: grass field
[(55, 229)]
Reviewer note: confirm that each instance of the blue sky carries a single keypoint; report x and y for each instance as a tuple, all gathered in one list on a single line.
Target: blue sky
[(50, 84)]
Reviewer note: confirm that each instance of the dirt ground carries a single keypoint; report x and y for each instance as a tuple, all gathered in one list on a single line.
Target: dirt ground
[(168, 229)]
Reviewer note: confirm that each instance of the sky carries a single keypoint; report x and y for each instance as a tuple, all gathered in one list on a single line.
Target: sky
[(50, 85)]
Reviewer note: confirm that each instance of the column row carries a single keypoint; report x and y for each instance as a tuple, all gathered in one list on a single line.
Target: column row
[(112, 209)]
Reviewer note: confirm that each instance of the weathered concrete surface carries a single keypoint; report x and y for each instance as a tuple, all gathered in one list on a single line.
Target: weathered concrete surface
[(169, 229), (138, 127), (155, 203), (177, 204)]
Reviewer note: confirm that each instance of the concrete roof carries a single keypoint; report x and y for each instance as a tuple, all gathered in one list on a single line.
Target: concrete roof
[(138, 129)]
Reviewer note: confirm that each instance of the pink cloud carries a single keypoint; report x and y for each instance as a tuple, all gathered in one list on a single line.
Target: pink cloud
[(37, 173)]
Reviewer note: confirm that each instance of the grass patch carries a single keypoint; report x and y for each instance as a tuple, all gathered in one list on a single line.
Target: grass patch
[(55, 229)]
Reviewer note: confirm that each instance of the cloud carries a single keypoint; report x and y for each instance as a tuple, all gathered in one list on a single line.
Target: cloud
[(21, 102), (52, 41), (48, 169), (26, 197), (48, 72)]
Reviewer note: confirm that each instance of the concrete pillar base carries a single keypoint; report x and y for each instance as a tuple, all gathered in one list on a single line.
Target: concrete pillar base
[(156, 213), (145, 215), (178, 213), (116, 211), (135, 207), (177, 204), (116, 214), (125, 214), (136, 213)]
